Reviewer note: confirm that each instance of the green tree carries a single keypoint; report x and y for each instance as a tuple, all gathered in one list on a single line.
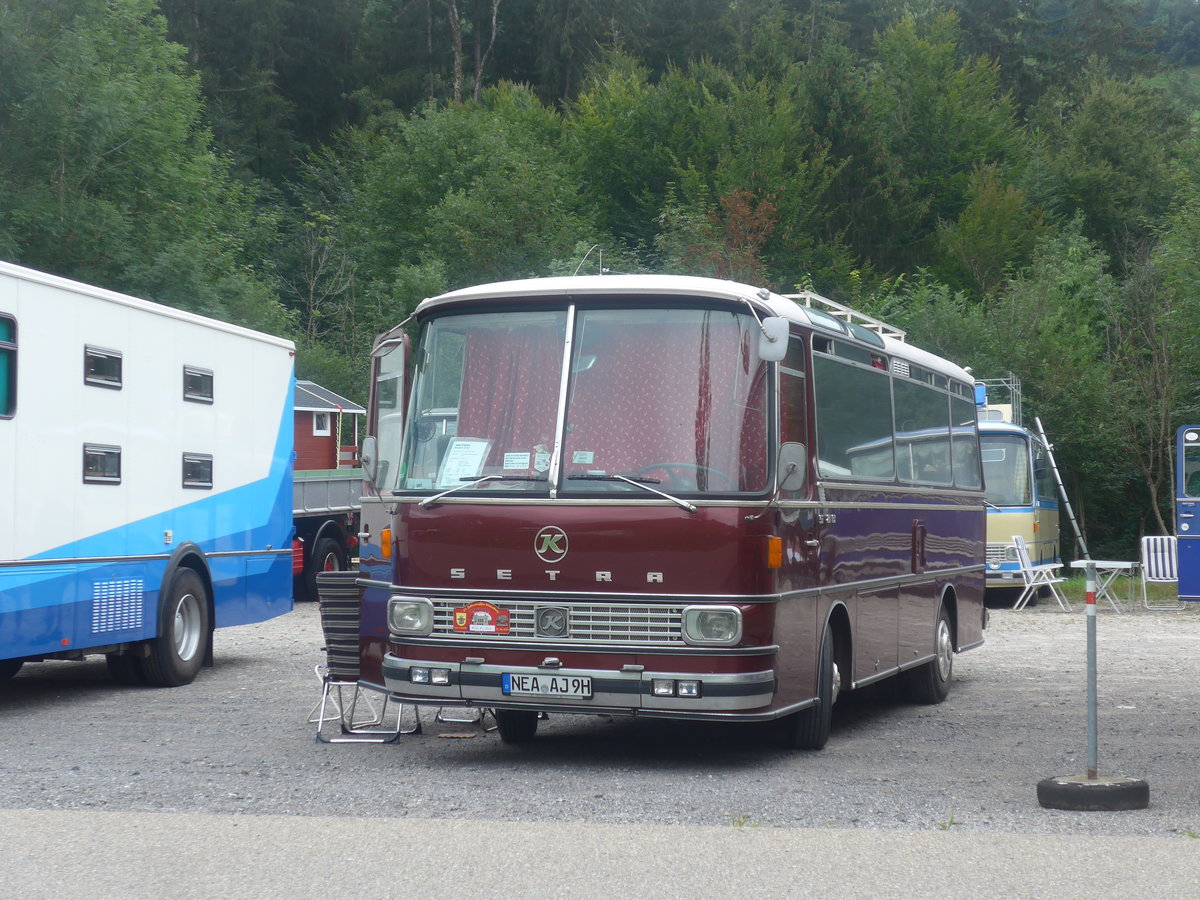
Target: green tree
[(1106, 148), (108, 171), (993, 236), (933, 120)]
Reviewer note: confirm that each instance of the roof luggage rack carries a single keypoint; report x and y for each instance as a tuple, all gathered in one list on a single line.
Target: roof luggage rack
[(846, 314)]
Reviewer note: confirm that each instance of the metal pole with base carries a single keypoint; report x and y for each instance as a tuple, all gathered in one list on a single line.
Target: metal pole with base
[(1092, 792)]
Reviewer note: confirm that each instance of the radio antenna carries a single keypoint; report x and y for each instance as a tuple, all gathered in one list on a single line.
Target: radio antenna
[(586, 255)]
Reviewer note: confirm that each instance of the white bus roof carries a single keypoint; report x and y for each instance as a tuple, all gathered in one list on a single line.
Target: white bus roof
[(764, 300)]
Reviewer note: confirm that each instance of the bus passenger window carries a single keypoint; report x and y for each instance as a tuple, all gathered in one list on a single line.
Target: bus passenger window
[(923, 431), (964, 443), (854, 420)]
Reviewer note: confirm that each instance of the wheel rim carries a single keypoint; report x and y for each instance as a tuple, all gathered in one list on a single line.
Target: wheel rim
[(187, 626), (836, 686), (945, 650)]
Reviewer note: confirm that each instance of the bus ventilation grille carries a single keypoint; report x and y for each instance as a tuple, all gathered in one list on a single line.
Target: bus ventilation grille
[(117, 605)]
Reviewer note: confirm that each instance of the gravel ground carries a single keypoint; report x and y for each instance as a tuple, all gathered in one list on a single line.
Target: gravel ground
[(237, 741)]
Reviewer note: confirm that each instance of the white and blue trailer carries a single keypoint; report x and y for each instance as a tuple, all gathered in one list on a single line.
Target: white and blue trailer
[(145, 479)]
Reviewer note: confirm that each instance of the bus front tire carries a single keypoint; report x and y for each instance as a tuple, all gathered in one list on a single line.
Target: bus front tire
[(929, 682), (809, 729), (177, 654), (516, 726)]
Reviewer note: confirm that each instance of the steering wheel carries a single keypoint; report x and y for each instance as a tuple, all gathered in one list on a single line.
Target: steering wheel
[(675, 472)]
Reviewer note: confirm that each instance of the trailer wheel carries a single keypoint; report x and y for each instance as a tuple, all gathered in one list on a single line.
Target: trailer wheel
[(809, 728), (9, 668), (178, 652), (327, 556), (516, 726), (930, 683)]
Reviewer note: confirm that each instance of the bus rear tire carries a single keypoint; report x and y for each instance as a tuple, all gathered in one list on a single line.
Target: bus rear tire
[(177, 654), (809, 729), (929, 683), (516, 726)]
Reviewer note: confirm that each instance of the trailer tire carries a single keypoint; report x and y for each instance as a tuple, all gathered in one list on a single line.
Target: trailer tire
[(327, 556), (809, 729), (177, 654), (9, 668), (929, 682), (516, 726)]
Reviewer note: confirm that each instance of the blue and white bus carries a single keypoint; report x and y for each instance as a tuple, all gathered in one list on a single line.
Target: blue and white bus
[(146, 477)]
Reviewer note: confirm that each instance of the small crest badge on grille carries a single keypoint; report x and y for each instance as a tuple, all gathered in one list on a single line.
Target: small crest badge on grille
[(482, 618)]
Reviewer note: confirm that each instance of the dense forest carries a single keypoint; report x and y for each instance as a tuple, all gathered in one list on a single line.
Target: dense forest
[(1014, 182)]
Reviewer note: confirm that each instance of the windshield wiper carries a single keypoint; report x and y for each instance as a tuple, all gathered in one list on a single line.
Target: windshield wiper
[(472, 482), (636, 481)]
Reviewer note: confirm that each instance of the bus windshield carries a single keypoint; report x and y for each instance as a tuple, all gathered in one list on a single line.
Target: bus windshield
[(1006, 469), (668, 398)]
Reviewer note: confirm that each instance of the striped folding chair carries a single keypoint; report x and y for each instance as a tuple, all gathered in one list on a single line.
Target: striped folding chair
[(1159, 565)]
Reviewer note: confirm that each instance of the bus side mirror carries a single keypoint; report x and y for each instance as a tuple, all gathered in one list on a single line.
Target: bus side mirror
[(773, 339), (369, 457), (792, 472)]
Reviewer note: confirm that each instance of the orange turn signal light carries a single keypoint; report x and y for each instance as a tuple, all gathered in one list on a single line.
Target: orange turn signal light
[(385, 542), (774, 552)]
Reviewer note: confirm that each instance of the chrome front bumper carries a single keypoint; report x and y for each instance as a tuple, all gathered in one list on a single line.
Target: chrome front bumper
[(629, 690)]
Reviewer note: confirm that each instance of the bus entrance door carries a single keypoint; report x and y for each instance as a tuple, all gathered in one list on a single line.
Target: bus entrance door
[(1187, 510)]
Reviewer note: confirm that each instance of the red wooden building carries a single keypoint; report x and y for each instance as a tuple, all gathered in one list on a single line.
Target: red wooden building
[(321, 428)]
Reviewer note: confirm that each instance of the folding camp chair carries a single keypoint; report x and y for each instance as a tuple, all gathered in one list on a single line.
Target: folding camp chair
[(1037, 577), (362, 715), (1160, 565)]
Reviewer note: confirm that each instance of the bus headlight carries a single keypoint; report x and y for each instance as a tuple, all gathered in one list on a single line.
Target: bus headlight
[(718, 626), (410, 615)]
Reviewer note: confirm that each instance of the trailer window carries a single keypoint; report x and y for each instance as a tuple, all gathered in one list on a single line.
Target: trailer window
[(102, 368), (198, 471), (8, 367), (197, 385), (101, 464)]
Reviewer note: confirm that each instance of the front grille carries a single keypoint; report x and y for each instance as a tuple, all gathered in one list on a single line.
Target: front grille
[(588, 623), (998, 553)]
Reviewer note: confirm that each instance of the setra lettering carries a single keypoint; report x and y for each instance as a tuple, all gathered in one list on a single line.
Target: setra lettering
[(460, 574)]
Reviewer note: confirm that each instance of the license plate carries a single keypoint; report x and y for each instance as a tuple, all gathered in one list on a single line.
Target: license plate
[(546, 685)]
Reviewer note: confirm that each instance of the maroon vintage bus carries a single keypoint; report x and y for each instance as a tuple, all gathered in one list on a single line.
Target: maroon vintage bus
[(665, 496)]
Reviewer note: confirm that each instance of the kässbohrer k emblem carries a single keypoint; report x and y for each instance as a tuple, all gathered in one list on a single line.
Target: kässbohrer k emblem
[(550, 544)]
